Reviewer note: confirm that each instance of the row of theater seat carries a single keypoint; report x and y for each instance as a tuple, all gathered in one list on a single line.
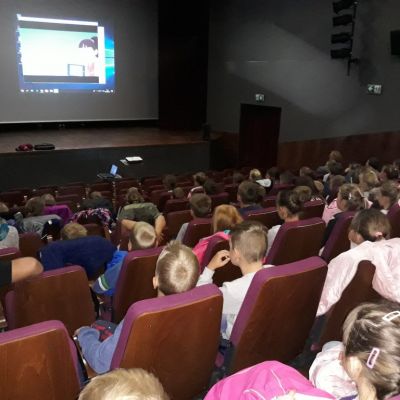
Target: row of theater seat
[(176, 336)]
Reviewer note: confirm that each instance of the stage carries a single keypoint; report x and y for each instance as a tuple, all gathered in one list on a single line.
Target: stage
[(81, 153)]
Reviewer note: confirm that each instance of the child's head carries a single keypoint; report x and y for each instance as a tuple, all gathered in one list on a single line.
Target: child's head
[(304, 193), (368, 179), (289, 204), (369, 224), (73, 230), (237, 178), (306, 171), (250, 193), (96, 195), (133, 196), (255, 175), (210, 187), (177, 269), (371, 338), (199, 178), (335, 168), (335, 155), (273, 174), (169, 182), (389, 172), (307, 181), (388, 194), (248, 243), (200, 205), (350, 198), (178, 193), (374, 163), (225, 217), (34, 207), (129, 384), (48, 199), (286, 177), (142, 236)]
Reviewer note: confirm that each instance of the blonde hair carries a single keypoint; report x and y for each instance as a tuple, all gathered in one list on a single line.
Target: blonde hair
[(177, 269), (34, 206), (390, 190), (353, 197), (73, 230), (371, 224), (142, 236), (255, 175), (368, 178), (128, 384), (368, 327), (249, 238), (3, 207), (304, 193), (225, 217)]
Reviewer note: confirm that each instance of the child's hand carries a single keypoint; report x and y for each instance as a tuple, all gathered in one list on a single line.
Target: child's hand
[(219, 260)]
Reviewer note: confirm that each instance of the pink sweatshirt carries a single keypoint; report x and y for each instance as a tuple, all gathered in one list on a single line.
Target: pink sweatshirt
[(385, 255)]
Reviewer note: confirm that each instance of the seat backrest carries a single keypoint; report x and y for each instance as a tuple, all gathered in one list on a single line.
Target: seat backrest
[(267, 216), (38, 362), (296, 241), (228, 272), (100, 186), (176, 205), (176, 337), (175, 220), (338, 241), (29, 244), (135, 281), (67, 190), (218, 199), (196, 230), (232, 190), (12, 198), (9, 253), (313, 209), (62, 294), (277, 313), (269, 201), (394, 218), (280, 186), (358, 291)]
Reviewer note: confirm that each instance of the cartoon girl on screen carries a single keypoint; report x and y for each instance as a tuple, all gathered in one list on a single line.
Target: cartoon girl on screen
[(90, 54)]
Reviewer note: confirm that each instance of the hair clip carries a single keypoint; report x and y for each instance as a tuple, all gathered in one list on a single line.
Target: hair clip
[(391, 316), (373, 356)]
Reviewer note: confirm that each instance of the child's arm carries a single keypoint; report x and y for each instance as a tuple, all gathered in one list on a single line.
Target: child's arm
[(219, 260)]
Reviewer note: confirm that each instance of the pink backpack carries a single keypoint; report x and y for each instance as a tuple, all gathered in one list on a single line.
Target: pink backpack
[(265, 381), (201, 247)]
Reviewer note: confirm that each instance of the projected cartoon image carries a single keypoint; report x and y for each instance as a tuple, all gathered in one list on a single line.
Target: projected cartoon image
[(64, 55)]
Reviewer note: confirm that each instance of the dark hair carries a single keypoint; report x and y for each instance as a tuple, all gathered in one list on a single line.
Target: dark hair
[(307, 181), (210, 187), (291, 200), (92, 42), (335, 168), (237, 178), (391, 171), (273, 173), (374, 163), (250, 192), (169, 182), (371, 224), (336, 155), (306, 171), (200, 204), (199, 178), (286, 177), (96, 195)]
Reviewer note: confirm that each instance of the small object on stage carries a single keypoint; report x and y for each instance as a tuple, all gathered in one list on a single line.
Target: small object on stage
[(133, 160)]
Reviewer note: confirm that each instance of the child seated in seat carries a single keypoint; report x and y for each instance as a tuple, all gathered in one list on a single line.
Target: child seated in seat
[(177, 271), (368, 231), (200, 207), (248, 243), (142, 236)]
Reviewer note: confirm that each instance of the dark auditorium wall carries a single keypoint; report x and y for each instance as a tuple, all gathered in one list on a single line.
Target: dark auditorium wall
[(281, 48), (183, 57)]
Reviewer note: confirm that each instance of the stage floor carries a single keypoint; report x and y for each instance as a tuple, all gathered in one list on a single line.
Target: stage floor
[(90, 138)]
